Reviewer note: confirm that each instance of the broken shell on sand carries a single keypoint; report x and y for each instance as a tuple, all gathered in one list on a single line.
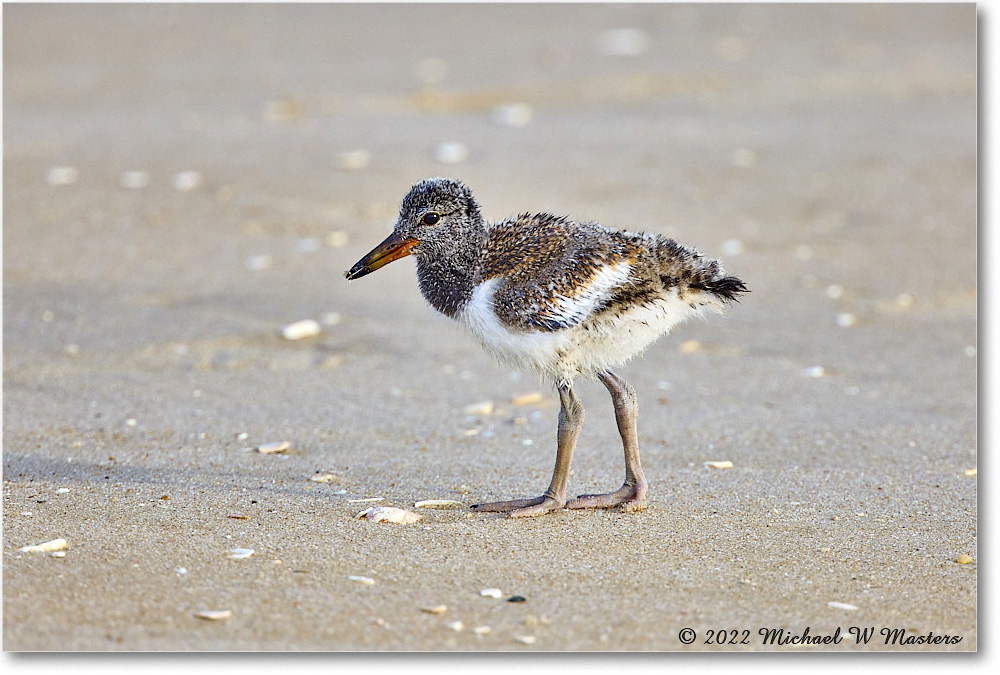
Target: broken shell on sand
[(47, 547), (438, 504), (389, 514)]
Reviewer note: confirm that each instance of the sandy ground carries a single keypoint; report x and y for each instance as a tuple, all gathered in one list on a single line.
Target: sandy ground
[(827, 154)]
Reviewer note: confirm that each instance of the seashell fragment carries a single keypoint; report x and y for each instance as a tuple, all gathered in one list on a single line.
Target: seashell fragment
[(690, 347), (451, 152), (364, 581), (214, 614), (527, 399), (46, 547), (437, 609), (964, 559), (841, 605), (323, 478), (482, 630), (456, 626), (481, 408), (389, 514), (719, 464), (62, 175), (273, 448), (299, 330), (525, 639), (240, 553), (438, 504), (971, 472), (491, 593)]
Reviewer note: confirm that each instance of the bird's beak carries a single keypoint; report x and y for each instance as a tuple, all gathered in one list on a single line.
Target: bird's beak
[(394, 247)]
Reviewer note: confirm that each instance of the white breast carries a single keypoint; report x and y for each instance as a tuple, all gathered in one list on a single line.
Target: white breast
[(534, 350), (596, 344)]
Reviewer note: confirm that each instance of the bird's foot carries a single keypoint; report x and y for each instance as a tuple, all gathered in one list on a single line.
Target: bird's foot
[(628, 498), (522, 508)]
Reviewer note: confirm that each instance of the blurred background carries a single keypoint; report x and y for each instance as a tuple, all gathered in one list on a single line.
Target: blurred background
[(182, 182)]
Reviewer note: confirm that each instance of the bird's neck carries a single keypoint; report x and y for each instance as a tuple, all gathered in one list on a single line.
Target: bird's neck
[(447, 275)]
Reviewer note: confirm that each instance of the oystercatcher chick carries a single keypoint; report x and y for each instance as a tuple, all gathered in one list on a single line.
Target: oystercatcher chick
[(562, 298)]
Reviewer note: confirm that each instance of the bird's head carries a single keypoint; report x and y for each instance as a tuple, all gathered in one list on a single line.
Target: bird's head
[(435, 216)]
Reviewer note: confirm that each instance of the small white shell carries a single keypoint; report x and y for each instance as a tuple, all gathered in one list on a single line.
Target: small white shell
[(482, 630), (365, 581), (273, 448), (439, 609), (456, 626), (528, 399), (525, 639), (720, 464), (491, 593), (240, 553), (841, 605), (301, 329), (323, 478), (389, 514), (46, 547), (214, 614), (438, 504), (481, 408)]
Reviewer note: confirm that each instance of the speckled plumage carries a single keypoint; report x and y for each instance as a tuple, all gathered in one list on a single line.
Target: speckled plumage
[(560, 297)]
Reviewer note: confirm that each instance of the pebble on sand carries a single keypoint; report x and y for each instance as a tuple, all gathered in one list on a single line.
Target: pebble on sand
[(214, 614), (364, 581), (813, 371), (46, 547), (451, 152), (623, 42), (323, 478), (456, 626), (841, 605), (256, 263), (353, 160), (481, 408), (525, 639), (62, 175), (846, 319), (273, 448), (185, 181), (301, 329), (337, 239), (512, 114), (964, 559), (528, 399), (389, 514), (482, 630), (719, 464), (437, 609), (690, 347), (240, 553), (491, 593), (134, 180), (971, 472)]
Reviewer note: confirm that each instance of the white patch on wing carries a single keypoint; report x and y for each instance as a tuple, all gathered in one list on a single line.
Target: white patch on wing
[(570, 311)]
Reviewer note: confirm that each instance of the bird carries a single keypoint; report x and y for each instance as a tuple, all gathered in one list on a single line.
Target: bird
[(565, 299)]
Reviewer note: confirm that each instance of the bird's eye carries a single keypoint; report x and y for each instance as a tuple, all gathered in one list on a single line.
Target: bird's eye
[(430, 218)]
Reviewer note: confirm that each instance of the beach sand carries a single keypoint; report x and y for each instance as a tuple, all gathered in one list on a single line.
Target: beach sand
[(180, 182)]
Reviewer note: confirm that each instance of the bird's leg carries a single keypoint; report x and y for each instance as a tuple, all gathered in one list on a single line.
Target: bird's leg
[(570, 422), (631, 496)]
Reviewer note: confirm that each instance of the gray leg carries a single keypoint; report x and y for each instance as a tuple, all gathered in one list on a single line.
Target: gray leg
[(631, 496), (570, 423)]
